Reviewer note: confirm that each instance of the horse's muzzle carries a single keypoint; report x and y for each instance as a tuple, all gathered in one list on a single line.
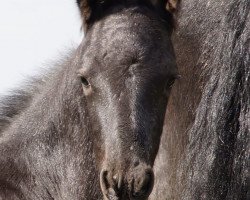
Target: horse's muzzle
[(136, 184)]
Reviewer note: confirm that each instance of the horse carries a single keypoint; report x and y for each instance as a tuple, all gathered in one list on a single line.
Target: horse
[(90, 127), (58, 143), (205, 147)]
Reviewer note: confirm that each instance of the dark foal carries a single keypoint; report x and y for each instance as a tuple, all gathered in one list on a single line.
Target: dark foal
[(91, 128)]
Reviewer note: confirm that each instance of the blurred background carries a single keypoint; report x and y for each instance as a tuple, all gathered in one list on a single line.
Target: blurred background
[(32, 34)]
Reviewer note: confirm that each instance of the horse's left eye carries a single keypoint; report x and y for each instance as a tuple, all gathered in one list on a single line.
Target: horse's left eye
[(85, 81)]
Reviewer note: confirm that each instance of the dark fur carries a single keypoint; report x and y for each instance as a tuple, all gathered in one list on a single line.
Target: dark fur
[(36, 159), (56, 139), (205, 150), (95, 10)]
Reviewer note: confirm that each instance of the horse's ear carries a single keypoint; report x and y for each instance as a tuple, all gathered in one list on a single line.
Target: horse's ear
[(85, 10), (167, 9), (169, 5), (90, 9), (172, 5)]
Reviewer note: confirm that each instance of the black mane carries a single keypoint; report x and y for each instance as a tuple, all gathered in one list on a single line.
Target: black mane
[(222, 121)]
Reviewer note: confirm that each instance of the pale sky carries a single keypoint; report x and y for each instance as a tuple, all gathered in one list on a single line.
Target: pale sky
[(33, 33)]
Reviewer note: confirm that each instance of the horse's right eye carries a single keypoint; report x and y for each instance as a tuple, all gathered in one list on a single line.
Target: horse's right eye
[(85, 82)]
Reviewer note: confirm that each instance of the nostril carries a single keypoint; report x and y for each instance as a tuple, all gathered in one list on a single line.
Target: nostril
[(104, 182), (110, 185), (143, 185), (117, 181), (147, 183)]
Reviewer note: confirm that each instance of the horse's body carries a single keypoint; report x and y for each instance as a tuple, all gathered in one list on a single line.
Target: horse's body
[(205, 150), (47, 150)]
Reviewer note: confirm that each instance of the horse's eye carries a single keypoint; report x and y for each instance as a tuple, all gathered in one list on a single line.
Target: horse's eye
[(85, 82), (170, 83)]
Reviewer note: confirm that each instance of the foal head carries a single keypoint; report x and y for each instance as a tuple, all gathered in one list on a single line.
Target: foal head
[(128, 67)]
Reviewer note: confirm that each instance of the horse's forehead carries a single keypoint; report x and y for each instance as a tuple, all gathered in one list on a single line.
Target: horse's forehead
[(125, 37), (128, 39), (127, 27)]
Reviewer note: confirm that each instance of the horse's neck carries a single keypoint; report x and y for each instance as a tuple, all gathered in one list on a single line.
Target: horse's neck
[(180, 116), (197, 46), (185, 98)]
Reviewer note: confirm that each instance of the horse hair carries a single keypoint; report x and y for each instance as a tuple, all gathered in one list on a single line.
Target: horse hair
[(205, 149), (211, 158)]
